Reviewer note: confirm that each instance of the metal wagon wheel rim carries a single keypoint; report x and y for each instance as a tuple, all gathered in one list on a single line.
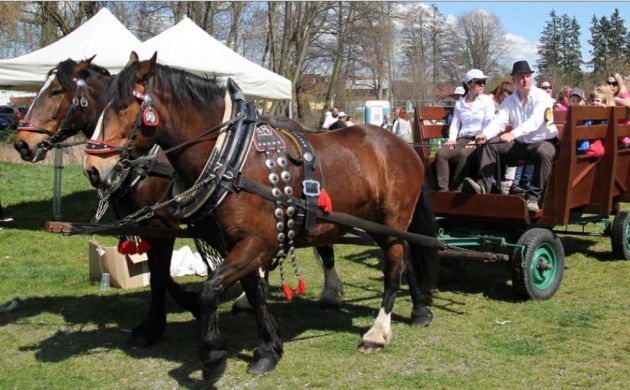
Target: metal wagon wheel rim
[(544, 266)]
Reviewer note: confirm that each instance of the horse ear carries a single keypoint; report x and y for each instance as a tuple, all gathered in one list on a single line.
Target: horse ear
[(146, 69), (133, 57), (83, 64)]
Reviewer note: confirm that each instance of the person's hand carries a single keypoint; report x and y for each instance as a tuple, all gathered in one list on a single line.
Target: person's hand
[(507, 137), (480, 139), (450, 144)]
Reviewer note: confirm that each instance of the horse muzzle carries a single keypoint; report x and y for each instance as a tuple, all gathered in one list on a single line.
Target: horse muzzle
[(26, 153)]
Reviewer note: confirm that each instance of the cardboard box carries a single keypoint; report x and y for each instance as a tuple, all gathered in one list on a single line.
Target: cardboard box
[(125, 271)]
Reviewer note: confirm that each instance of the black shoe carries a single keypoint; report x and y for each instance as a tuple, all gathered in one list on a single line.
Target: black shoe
[(472, 186), (5, 218), (516, 190)]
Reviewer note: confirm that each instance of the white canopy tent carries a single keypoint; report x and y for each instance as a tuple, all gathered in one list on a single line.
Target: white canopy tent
[(188, 47), (102, 35)]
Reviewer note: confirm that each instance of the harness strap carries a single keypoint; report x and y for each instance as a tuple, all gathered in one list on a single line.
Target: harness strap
[(310, 186), (244, 183)]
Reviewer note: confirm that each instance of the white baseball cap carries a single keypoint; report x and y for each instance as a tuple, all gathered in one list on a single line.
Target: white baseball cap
[(341, 114), (474, 74)]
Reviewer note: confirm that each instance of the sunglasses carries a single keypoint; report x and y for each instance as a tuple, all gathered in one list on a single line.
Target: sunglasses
[(613, 83), (546, 87), (479, 81)]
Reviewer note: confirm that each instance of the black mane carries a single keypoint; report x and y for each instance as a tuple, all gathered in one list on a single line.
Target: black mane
[(185, 88), (65, 73)]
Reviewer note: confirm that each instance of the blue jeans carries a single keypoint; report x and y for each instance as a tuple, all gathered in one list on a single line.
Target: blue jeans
[(523, 175)]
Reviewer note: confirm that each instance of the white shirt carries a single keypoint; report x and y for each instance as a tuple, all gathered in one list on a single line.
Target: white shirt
[(468, 121), (402, 128), (329, 121), (529, 121)]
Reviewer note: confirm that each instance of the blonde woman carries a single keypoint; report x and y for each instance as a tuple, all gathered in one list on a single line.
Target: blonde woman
[(617, 86)]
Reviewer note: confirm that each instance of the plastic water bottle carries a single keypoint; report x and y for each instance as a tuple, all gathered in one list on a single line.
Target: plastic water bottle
[(105, 281)]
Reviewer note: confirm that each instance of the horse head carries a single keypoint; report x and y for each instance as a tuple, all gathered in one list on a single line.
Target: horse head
[(68, 102), (148, 104)]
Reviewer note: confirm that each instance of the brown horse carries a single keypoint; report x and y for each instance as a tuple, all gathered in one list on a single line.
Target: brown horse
[(69, 103), (57, 113), (368, 172)]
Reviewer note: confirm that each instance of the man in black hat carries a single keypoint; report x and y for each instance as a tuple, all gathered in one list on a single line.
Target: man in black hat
[(533, 137)]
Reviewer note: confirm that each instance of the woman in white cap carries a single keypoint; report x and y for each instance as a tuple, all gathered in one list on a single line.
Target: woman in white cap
[(472, 113)]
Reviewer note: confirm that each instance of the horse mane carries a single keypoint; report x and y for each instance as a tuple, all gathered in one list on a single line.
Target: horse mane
[(203, 92), (65, 72)]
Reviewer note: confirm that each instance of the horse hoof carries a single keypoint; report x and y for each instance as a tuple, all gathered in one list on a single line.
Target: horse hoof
[(368, 347), (213, 365), (422, 317), (263, 365)]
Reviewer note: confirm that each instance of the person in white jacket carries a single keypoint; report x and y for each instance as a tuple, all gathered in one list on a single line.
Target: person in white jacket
[(402, 126), (473, 111)]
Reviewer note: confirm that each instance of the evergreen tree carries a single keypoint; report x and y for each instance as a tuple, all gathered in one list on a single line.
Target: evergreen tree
[(616, 39), (599, 43), (548, 54), (573, 59), (559, 52)]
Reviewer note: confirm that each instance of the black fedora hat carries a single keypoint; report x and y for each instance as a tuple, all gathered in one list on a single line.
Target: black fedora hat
[(521, 67)]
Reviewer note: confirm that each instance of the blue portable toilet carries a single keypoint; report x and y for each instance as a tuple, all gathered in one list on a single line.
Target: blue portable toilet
[(375, 111)]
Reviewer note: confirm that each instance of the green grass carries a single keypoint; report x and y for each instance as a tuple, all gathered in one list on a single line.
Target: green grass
[(66, 333)]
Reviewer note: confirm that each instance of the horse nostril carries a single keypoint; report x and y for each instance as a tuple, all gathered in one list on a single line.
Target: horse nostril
[(23, 149), (94, 176)]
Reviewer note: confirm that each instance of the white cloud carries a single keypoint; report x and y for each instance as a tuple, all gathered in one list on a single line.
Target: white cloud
[(521, 49)]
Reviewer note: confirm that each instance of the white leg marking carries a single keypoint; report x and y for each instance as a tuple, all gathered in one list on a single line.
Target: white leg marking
[(381, 331)]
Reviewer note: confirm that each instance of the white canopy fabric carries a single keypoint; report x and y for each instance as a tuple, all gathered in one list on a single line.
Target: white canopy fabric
[(187, 46), (102, 35)]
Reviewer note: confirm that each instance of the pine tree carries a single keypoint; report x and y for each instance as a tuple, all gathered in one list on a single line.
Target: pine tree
[(599, 43), (549, 59), (616, 39), (573, 59)]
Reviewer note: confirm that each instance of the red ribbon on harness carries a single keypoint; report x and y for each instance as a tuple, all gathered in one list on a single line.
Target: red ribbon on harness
[(324, 202), (127, 247)]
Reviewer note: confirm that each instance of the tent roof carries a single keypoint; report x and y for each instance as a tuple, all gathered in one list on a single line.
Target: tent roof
[(188, 47), (102, 35)]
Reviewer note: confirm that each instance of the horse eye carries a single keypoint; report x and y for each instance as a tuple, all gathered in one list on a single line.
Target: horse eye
[(56, 92)]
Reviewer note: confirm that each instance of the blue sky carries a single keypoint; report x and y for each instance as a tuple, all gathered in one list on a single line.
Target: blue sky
[(526, 20)]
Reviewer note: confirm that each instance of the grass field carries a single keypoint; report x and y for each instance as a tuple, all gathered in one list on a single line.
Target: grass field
[(66, 333)]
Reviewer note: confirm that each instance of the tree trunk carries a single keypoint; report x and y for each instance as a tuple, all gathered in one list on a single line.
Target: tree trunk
[(344, 28)]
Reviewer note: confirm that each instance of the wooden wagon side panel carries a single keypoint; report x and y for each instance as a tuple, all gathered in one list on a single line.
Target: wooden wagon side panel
[(621, 179)]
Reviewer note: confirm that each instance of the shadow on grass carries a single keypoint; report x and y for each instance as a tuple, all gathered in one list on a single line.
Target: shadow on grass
[(488, 279), (111, 318), (575, 244), (76, 207)]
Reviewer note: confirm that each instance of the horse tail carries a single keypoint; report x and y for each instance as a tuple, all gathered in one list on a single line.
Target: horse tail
[(425, 261)]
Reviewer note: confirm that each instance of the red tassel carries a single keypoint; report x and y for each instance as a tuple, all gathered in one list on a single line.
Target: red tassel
[(301, 287), (143, 247), (324, 202), (126, 247), (288, 294)]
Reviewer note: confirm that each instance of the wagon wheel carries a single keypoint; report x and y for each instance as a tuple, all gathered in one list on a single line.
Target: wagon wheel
[(537, 269), (620, 236)]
